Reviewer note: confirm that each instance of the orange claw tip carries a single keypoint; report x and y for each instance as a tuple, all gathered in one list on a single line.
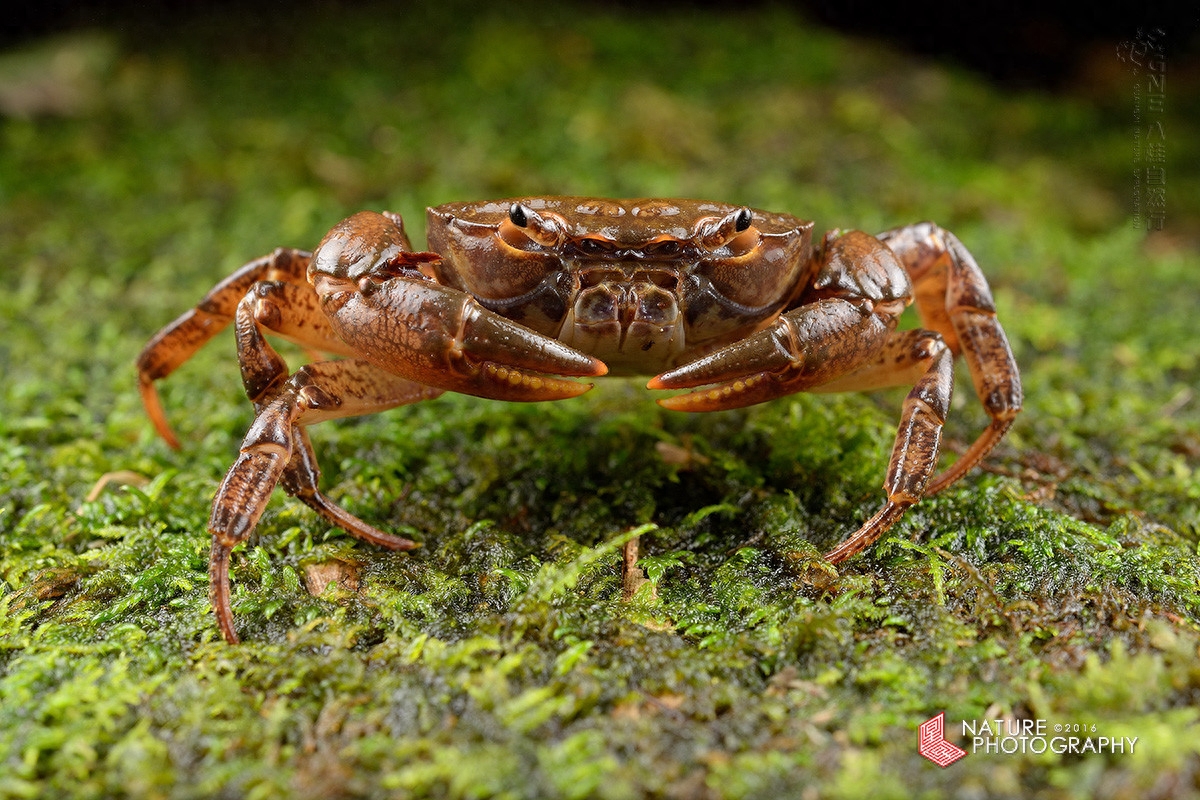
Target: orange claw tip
[(678, 378), (691, 375), (692, 401), (559, 359)]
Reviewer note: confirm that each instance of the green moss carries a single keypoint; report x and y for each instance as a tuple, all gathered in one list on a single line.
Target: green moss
[(499, 660)]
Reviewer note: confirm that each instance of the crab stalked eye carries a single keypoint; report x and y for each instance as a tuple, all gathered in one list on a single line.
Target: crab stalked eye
[(714, 233), (526, 225)]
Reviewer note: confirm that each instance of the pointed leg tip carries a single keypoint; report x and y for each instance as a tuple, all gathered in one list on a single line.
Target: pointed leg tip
[(397, 543), (228, 633), (870, 533), (169, 437), (218, 592), (158, 418)]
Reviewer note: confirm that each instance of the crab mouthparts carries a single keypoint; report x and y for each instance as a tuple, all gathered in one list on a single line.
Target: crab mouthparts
[(631, 323)]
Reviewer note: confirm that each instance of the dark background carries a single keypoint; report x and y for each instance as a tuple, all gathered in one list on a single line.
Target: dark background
[(1047, 47)]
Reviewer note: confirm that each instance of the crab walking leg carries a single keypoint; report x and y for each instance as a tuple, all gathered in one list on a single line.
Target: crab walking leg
[(284, 455), (182, 338), (953, 298), (902, 361), (300, 479), (291, 311), (915, 453), (285, 309), (277, 449)]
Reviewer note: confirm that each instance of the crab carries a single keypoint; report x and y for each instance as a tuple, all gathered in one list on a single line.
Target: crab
[(514, 298)]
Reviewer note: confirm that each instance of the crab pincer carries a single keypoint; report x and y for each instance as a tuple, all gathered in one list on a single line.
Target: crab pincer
[(801, 350), (442, 337)]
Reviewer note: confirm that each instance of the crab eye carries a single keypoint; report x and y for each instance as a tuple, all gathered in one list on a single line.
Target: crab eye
[(713, 233), (546, 229)]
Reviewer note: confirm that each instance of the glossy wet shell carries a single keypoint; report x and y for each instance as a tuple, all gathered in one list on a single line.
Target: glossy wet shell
[(652, 296)]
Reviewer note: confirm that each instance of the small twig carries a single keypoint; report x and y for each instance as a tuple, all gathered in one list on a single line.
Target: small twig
[(123, 477)]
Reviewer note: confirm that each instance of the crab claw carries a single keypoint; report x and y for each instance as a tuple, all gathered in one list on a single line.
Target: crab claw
[(442, 337), (500, 359), (735, 386), (802, 349)]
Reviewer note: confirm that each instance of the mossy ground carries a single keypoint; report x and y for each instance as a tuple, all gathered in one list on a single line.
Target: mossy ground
[(1060, 583)]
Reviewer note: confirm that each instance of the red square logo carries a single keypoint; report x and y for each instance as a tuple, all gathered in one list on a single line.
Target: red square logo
[(932, 744)]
